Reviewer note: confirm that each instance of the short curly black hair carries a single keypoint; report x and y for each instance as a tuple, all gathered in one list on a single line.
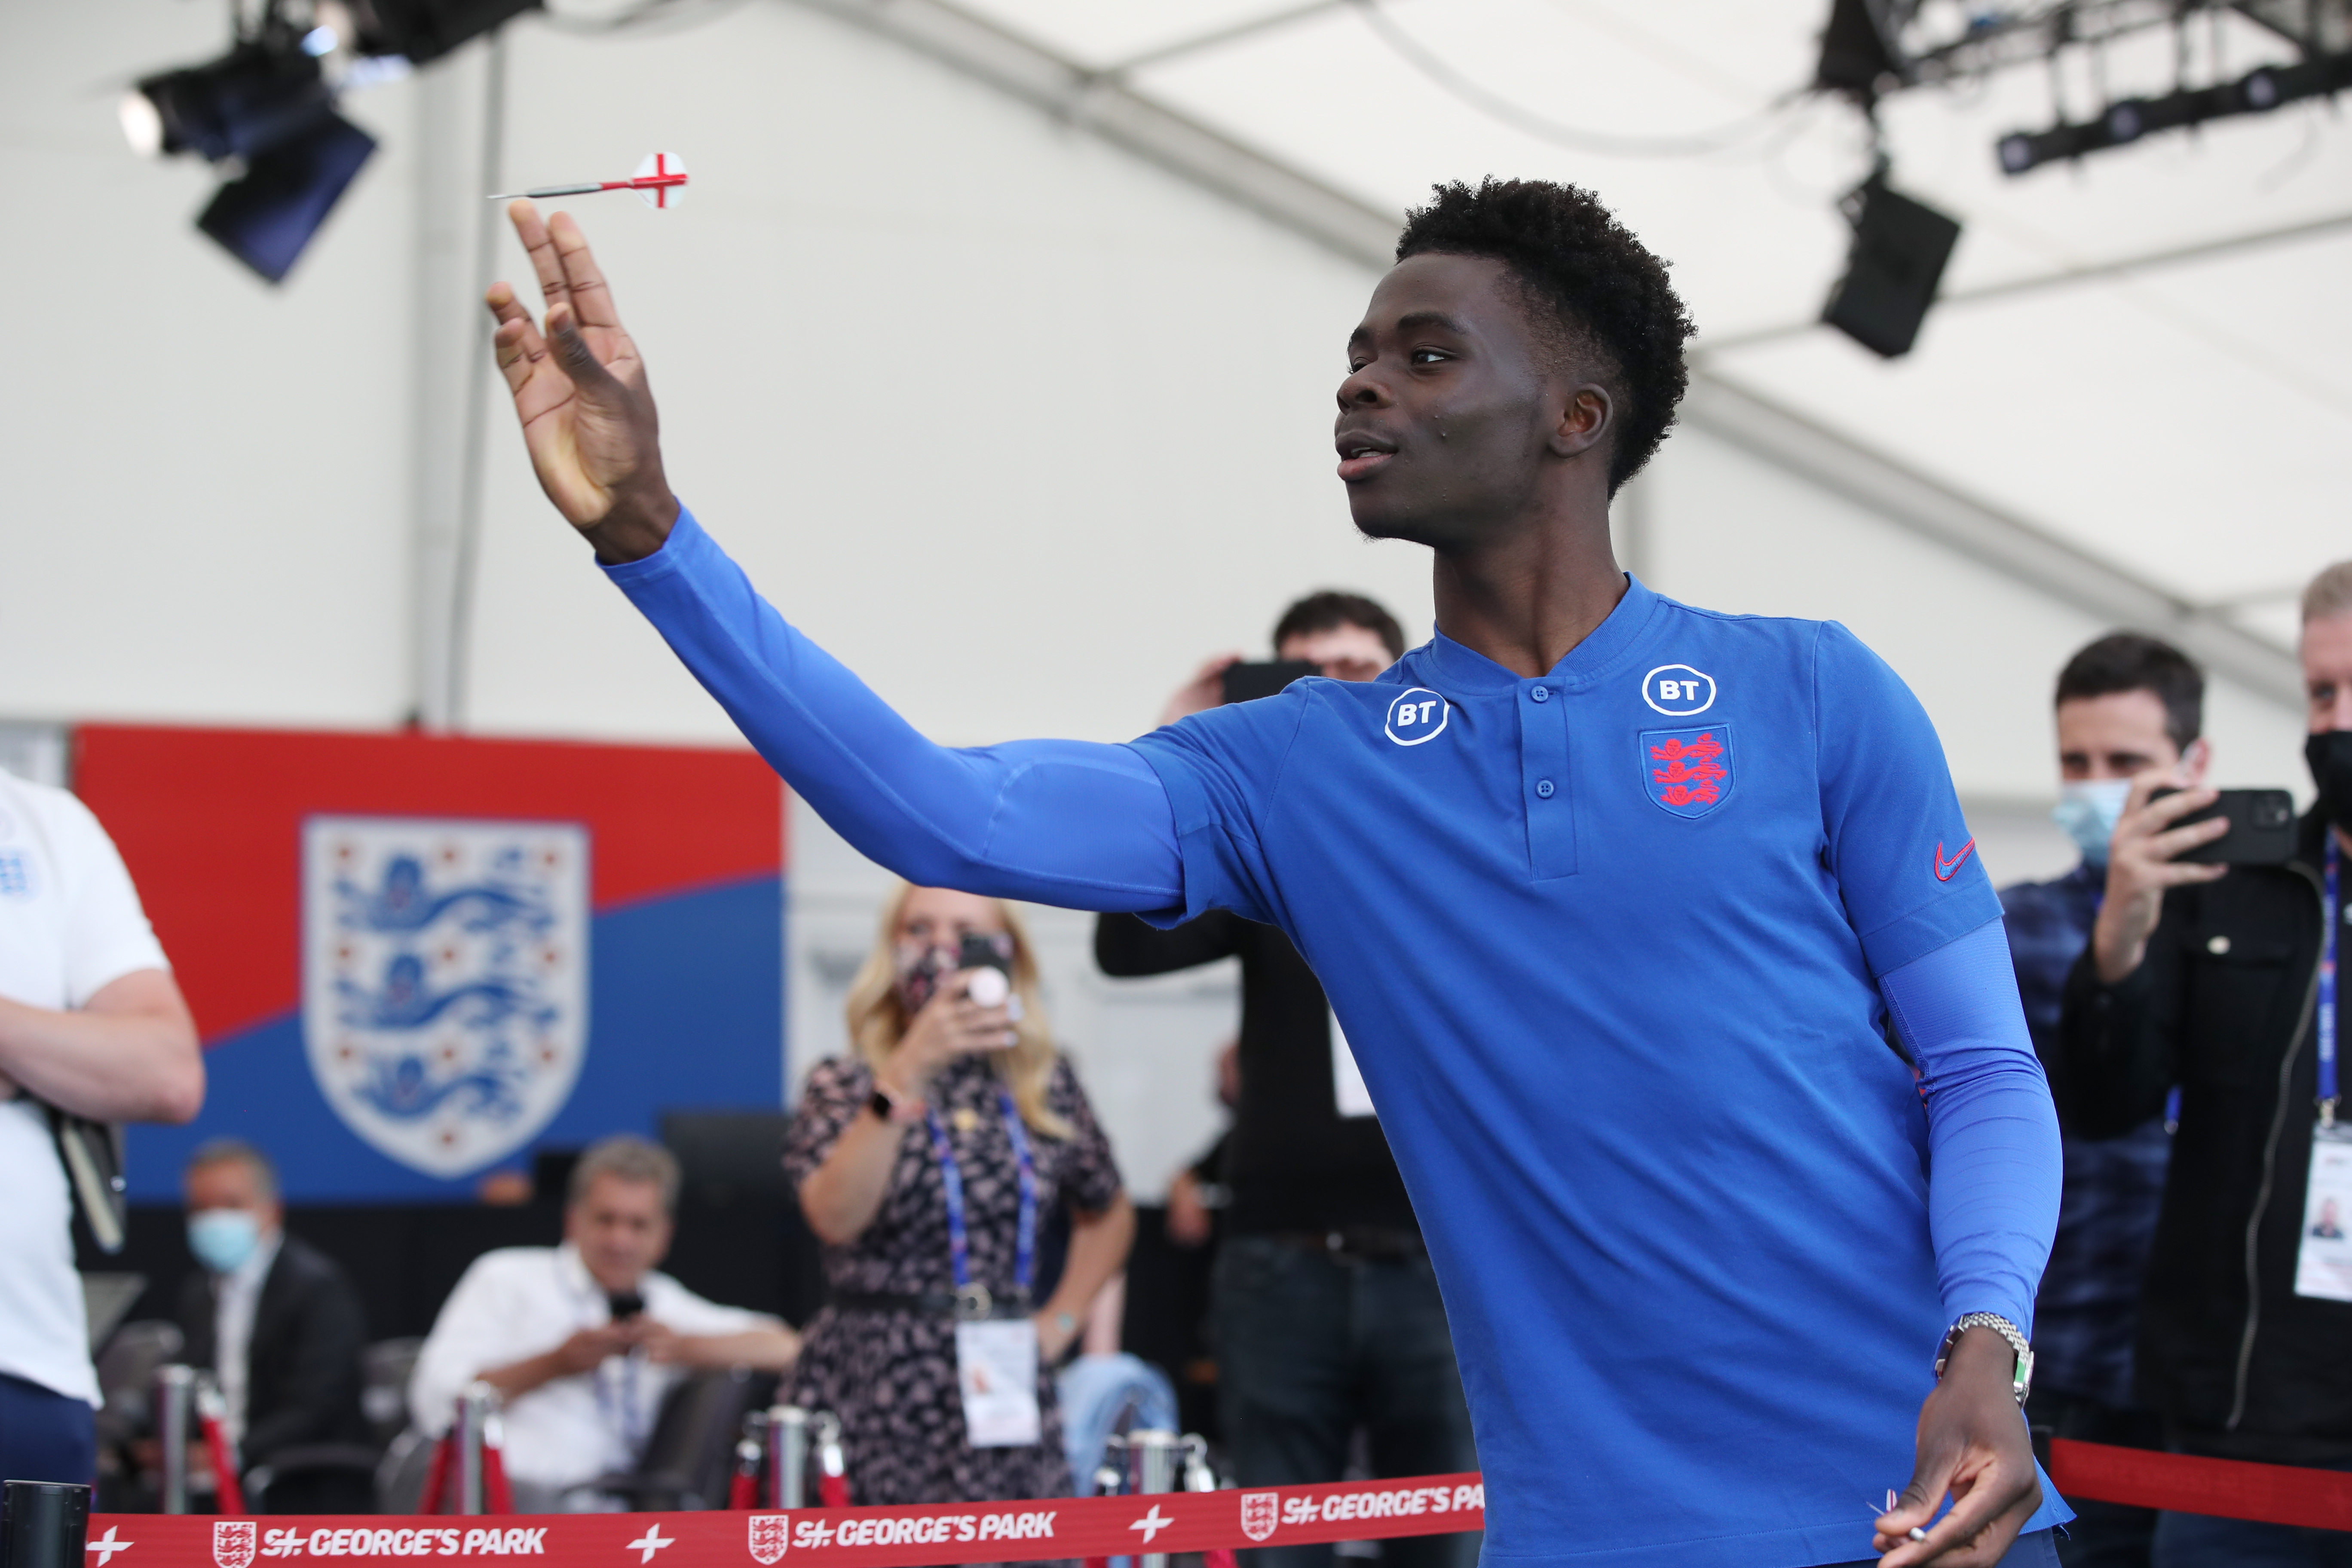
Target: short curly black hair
[(1612, 297)]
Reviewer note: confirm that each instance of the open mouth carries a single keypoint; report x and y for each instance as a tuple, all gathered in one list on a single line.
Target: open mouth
[(1361, 456)]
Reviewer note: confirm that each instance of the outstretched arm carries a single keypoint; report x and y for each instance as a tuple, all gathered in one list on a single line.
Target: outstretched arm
[(1059, 822)]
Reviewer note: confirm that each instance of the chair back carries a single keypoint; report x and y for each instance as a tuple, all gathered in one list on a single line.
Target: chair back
[(126, 1374), (690, 1457), (385, 1368), (400, 1473)]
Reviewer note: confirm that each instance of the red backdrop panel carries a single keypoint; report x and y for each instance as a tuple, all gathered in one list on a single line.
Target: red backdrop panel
[(210, 823)]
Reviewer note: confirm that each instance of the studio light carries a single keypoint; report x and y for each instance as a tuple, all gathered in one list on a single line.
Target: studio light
[(246, 101), (264, 112), (1900, 246), (268, 214)]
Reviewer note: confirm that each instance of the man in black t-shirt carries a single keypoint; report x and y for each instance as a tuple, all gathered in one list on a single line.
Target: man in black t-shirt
[(1324, 1313)]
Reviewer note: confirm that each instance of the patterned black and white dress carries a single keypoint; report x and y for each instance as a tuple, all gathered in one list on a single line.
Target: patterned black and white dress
[(892, 1376)]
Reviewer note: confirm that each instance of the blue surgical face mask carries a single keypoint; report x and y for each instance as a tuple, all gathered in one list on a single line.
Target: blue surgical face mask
[(223, 1238), (2088, 810)]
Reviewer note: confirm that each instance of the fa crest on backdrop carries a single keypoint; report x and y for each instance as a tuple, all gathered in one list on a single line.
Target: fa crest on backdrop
[(445, 989)]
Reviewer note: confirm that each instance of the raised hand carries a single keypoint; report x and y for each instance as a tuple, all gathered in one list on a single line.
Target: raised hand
[(2142, 866), (580, 391)]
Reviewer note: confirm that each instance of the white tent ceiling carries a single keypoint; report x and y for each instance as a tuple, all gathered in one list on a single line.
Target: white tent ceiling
[(2184, 422)]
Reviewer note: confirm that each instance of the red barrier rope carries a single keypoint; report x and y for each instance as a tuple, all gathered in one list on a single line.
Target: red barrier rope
[(918, 1537), (1213, 1522), (2230, 1488)]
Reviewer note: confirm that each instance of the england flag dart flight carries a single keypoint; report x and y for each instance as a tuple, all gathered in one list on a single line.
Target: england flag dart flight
[(660, 181)]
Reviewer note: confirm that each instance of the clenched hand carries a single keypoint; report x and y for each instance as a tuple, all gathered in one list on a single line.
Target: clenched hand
[(580, 391)]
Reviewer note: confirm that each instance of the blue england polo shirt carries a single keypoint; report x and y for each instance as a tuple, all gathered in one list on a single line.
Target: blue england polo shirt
[(1605, 945)]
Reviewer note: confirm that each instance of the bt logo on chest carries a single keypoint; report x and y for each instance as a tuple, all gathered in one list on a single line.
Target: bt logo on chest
[(1679, 690), (1416, 716)]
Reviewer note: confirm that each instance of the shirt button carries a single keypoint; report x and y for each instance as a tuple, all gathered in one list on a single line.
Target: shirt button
[(1543, 786), (1541, 694)]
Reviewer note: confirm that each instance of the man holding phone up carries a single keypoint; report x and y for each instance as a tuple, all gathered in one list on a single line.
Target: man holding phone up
[(2128, 707), (2217, 978)]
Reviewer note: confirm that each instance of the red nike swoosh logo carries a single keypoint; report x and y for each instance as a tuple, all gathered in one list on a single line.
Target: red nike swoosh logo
[(1947, 869)]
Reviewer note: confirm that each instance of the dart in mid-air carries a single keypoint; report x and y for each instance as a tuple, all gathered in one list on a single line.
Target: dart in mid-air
[(660, 180)]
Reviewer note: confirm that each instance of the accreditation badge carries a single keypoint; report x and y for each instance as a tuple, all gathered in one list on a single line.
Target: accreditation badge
[(996, 1372), (2323, 1264)]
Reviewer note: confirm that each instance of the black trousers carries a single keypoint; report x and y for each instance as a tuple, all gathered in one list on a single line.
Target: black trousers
[(1310, 1347)]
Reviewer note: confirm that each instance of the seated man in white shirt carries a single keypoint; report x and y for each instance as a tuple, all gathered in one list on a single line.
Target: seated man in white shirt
[(584, 1339)]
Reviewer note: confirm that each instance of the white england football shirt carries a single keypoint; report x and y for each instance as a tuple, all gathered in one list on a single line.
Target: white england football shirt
[(70, 925)]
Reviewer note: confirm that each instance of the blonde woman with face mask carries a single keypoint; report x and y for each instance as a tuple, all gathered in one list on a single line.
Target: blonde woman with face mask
[(927, 1160)]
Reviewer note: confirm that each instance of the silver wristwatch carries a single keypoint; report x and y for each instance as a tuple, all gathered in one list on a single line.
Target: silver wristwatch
[(2021, 1380)]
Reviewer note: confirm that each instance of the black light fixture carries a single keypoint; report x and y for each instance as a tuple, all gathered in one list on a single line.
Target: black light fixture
[(265, 112), (422, 30), (1900, 246), (2257, 92)]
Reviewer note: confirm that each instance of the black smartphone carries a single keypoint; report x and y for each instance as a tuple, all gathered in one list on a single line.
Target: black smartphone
[(2262, 828), (1248, 682), (622, 1305), (982, 951)]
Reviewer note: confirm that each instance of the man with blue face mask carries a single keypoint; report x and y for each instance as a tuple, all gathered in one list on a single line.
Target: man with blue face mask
[(280, 1325), (2127, 706)]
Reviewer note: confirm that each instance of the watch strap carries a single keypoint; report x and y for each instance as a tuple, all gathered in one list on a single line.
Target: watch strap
[(893, 1107), (2022, 1379)]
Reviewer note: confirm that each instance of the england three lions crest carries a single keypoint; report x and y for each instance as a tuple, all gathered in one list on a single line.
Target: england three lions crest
[(234, 1541), (1687, 772), (769, 1533), (1261, 1511), (444, 980)]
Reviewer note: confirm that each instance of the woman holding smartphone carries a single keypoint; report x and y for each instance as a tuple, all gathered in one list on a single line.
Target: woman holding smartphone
[(928, 1161)]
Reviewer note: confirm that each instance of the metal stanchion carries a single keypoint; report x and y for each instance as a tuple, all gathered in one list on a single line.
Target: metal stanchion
[(477, 1409), (175, 1402), (788, 1452), (1110, 1475), (832, 1464), (43, 1524), (1154, 1454), (1198, 1476)]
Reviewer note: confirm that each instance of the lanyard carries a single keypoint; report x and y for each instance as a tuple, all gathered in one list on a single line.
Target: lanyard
[(2332, 907), (972, 1300), (627, 1418)]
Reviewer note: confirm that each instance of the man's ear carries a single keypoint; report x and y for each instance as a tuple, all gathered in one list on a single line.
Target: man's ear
[(2195, 758), (1584, 421)]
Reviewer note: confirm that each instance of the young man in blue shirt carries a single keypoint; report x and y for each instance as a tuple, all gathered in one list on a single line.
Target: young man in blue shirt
[(1659, 936)]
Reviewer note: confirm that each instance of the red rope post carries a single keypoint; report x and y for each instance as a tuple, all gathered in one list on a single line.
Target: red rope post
[(229, 1496), (436, 1475)]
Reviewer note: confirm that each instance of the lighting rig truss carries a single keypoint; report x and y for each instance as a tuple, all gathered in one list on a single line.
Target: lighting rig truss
[(1876, 47)]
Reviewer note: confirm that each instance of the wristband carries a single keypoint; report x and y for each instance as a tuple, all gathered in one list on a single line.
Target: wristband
[(892, 1107)]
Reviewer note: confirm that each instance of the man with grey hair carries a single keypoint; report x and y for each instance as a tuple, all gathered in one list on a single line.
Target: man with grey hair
[(280, 1323), (586, 1338), (2222, 982)]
